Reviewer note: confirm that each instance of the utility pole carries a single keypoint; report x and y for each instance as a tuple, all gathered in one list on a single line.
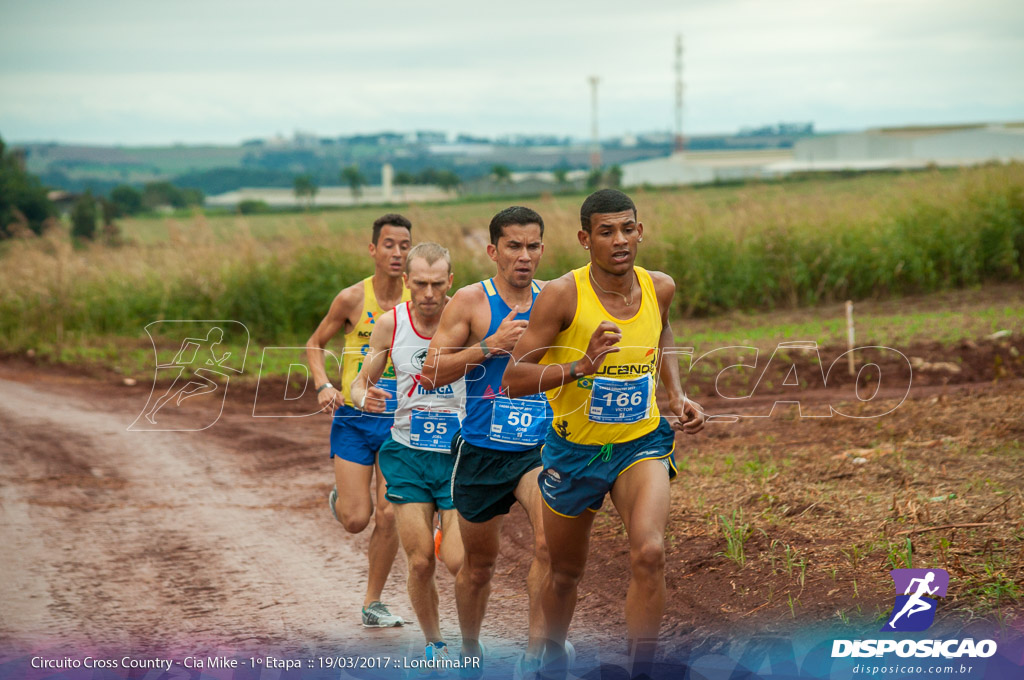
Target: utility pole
[(595, 143), (679, 145)]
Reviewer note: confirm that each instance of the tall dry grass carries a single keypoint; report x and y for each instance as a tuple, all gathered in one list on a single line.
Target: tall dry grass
[(756, 246)]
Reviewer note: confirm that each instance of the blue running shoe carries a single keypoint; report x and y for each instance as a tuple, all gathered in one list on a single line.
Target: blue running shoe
[(438, 661)]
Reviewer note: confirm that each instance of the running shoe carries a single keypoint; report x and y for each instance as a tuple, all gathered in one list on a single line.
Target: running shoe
[(531, 667), (526, 667), (377, 616), (437, 541), (436, 652), (332, 499), (472, 667)]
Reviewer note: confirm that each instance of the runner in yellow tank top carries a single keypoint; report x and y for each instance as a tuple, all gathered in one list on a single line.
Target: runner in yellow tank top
[(357, 341), (594, 344), (626, 410), (356, 437)]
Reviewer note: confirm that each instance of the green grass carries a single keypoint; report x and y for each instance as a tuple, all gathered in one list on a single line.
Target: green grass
[(826, 325), (736, 533)]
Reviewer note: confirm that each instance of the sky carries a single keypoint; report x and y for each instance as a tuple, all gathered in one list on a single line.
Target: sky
[(143, 72)]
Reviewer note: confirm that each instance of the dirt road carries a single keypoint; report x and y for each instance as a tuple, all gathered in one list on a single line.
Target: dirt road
[(220, 540), (186, 541)]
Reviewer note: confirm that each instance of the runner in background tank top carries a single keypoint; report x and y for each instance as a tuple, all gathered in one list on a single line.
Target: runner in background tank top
[(356, 344)]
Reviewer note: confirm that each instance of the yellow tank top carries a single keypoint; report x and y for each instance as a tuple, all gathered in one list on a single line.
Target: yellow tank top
[(617, 403), (357, 341)]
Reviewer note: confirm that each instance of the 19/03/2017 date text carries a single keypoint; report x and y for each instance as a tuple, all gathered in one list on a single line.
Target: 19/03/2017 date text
[(342, 662)]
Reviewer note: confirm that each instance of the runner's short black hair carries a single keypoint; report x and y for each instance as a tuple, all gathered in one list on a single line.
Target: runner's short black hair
[(393, 219), (515, 214), (605, 201)]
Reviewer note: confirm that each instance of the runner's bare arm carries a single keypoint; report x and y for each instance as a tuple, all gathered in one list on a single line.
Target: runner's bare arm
[(552, 313), (451, 353), (365, 396), (456, 348), (343, 308), (686, 415)]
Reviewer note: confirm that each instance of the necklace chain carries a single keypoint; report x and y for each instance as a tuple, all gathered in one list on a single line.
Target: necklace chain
[(628, 301)]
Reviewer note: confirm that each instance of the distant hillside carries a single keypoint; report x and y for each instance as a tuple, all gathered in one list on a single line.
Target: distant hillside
[(257, 163)]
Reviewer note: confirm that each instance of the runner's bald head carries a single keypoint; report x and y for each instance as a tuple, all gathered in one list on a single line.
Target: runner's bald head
[(430, 252)]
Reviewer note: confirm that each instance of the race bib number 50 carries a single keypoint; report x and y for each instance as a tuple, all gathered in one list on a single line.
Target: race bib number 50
[(433, 430), (519, 421), (621, 401)]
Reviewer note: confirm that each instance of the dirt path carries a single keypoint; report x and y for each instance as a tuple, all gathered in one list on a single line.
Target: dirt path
[(190, 541), (120, 534), (220, 540)]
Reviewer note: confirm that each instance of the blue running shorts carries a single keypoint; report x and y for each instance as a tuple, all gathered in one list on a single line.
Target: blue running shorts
[(357, 436), (576, 477)]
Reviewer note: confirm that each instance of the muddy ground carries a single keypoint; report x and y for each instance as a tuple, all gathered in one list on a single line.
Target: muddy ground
[(220, 539)]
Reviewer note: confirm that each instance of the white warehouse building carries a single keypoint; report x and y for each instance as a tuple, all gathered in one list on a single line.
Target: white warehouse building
[(910, 147), (878, 149)]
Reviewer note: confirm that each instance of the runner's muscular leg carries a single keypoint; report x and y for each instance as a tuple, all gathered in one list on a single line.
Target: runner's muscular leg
[(642, 497), (473, 582), (354, 506), (415, 522), (528, 494), (383, 544), (451, 551), (568, 540)]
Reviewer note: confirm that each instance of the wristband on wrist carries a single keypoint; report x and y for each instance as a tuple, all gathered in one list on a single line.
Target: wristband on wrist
[(572, 370), (323, 387), (487, 352)]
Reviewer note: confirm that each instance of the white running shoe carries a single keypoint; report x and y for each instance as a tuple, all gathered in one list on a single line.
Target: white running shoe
[(377, 616)]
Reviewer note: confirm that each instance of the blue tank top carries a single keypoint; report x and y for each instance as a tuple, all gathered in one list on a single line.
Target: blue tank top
[(494, 421)]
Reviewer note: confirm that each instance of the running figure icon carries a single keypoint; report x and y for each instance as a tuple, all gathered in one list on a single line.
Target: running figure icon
[(199, 383), (917, 593), (916, 604)]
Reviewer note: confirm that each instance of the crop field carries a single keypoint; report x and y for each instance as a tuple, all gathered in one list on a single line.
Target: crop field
[(756, 247)]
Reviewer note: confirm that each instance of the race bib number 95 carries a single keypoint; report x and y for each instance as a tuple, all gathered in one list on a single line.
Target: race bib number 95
[(433, 430)]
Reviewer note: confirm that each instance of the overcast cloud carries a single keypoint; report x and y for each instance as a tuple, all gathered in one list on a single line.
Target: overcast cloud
[(140, 72)]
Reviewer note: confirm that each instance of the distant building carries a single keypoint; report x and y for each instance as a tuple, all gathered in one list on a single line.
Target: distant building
[(878, 149), (431, 137), (332, 196), (703, 167), (909, 147)]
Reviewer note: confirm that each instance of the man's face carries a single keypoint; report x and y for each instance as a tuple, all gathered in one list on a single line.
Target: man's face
[(613, 240), (428, 285), (517, 253), (389, 253)]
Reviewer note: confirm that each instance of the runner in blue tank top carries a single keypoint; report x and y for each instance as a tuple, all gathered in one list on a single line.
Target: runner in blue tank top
[(498, 449), (494, 421)]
